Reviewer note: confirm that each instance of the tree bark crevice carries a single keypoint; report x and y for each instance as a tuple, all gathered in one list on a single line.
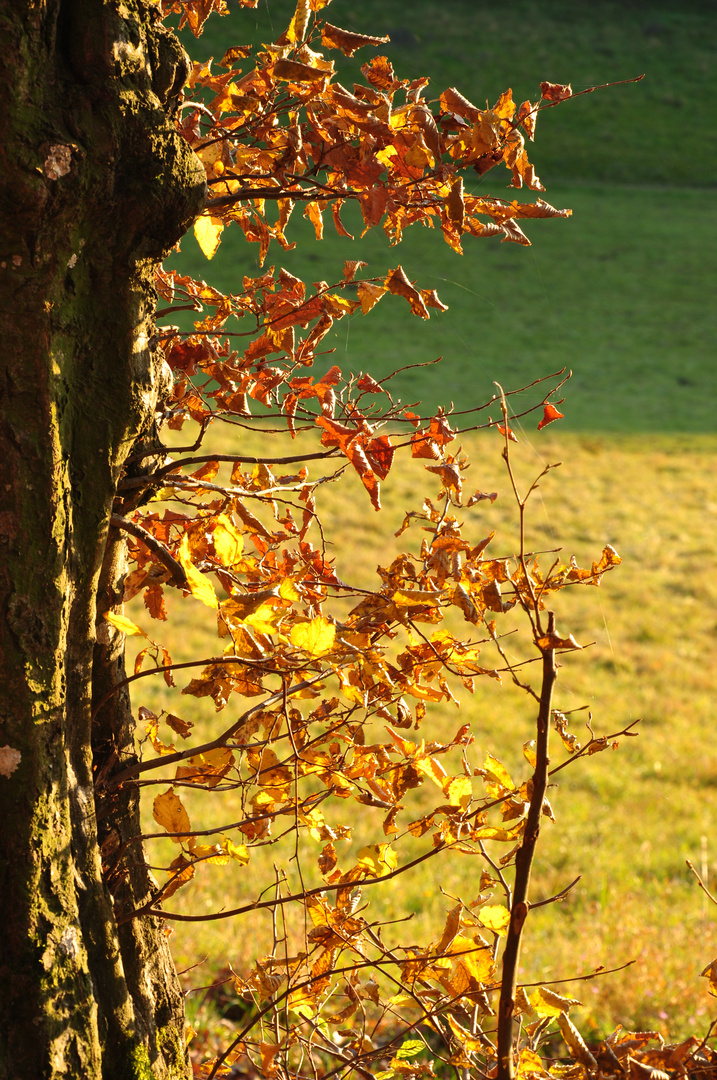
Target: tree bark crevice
[(95, 187)]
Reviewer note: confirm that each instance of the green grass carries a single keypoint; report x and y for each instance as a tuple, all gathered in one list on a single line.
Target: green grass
[(659, 131), (619, 293)]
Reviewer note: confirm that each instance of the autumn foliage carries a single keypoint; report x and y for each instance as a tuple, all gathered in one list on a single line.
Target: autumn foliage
[(331, 686)]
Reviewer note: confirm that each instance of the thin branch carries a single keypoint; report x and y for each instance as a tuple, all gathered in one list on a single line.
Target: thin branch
[(523, 866), (170, 759), (258, 905), (597, 974), (178, 577), (178, 667), (701, 883), (558, 897), (585, 750)]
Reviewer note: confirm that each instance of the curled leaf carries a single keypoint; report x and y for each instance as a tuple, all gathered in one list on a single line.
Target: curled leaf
[(550, 413)]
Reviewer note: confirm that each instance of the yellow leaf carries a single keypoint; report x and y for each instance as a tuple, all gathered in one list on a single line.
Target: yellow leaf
[(199, 585), (433, 769), (169, 812), (377, 859), (269, 1066), (213, 853), (208, 230), (239, 852), (121, 623), (530, 1064), (710, 973), (288, 590), (555, 641), (350, 690), (411, 597), (470, 1044), (460, 792), (228, 541), (302, 1003), (495, 917), (575, 1042), (263, 620), (206, 769), (494, 832), (297, 27), (498, 771), (267, 769), (315, 637), (180, 872), (476, 959), (529, 753), (546, 1002)]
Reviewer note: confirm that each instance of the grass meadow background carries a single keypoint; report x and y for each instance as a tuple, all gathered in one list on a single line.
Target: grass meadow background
[(622, 293)]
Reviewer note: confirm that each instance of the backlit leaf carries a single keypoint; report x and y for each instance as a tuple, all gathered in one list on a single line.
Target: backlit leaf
[(409, 1049), (550, 413), (498, 772), (228, 541), (315, 637), (168, 811), (546, 1002), (495, 917), (555, 91), (122, 623), (460, 792), (333, 37), (476, 960), (710, 972), (377, 859), (555, 641), (199, 585), (180, 870), (208, 231)]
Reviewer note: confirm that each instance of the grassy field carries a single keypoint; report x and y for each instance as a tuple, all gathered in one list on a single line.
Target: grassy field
[(617, 292), (626, 821), (621, 293)]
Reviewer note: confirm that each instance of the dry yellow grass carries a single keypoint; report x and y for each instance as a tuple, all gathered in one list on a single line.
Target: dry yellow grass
[(626, 821)]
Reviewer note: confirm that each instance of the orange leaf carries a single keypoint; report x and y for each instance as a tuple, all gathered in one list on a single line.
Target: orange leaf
[(369, 385), (293, 71), (154, 602), (333, 37), (511, 434), (379, 454), (398, 284), (169, 812), (550, 413), (555, 91)]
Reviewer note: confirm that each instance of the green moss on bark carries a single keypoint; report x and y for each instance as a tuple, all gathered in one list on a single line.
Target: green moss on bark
[(78, 384)]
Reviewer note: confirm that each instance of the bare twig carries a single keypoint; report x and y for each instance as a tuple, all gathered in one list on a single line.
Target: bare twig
[(701, 883), (523, 866), (558, 897), (179, 578)]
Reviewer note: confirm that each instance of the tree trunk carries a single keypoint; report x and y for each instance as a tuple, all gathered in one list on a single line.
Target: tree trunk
[(95, 187)]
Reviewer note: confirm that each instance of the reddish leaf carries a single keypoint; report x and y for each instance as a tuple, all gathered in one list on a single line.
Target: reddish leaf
[(398, 283), (333, 37), (555, 91), (550, 413)]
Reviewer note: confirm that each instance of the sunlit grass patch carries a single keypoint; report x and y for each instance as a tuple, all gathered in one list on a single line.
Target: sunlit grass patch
[(626, 819)]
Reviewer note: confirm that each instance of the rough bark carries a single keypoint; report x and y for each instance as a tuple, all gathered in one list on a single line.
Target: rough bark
[(95, 187)]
